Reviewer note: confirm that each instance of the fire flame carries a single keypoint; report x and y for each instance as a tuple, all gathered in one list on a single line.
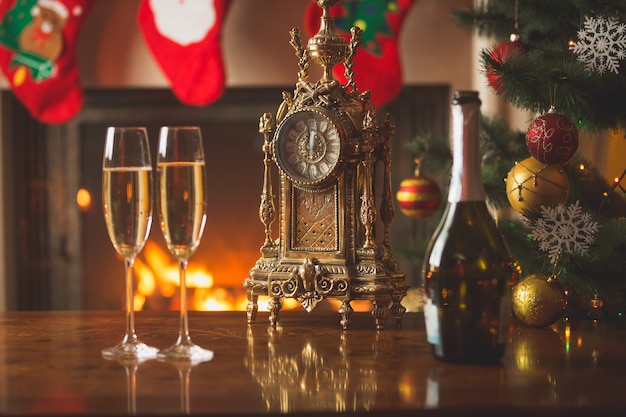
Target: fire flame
[(158, 277)]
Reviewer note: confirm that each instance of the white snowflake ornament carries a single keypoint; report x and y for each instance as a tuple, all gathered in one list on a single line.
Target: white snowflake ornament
[(563, 230), (601, 44)]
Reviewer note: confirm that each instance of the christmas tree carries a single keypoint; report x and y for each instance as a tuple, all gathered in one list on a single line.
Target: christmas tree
[(555, 58)]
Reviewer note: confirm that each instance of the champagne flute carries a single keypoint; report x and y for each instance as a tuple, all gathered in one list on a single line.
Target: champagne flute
[(127, 201), (182, 210)]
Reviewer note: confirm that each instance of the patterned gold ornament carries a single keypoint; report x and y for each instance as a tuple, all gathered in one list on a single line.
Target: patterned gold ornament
[(538, 300), (531, 184)]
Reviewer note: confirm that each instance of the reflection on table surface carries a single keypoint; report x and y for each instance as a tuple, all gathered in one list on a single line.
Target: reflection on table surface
[(312, 377), (51, 363)]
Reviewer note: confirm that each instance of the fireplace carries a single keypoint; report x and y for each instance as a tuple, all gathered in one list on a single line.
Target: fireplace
[(60, 252)]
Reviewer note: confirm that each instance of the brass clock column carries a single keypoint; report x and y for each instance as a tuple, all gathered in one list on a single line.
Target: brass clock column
[(330, 151)]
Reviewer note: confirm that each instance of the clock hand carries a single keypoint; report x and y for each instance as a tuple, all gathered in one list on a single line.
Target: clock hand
[(311, 140)]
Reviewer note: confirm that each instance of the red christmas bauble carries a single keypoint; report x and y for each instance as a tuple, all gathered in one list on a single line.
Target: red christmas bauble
[(552, 138), (501, 54), (418, 197)]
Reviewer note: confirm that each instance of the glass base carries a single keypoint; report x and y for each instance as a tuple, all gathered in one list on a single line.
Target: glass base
[(130, 350), (186, 351)]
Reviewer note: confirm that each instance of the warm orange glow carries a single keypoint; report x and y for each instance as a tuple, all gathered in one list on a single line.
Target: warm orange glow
[(83, 199), (616, 180), (218, 299), (147, 284), (158, 276), (138, 301)]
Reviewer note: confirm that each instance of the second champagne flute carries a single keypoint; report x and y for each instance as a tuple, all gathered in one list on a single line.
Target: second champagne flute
[(182, 210)]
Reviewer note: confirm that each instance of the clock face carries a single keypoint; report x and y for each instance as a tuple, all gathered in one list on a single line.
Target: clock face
[(308, 146)]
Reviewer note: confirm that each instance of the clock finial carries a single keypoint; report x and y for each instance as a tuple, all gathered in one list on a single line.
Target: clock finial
[(327, 47)]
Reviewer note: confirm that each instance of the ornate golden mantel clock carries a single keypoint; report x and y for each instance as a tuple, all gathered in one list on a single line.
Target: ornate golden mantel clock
[(330, 152)]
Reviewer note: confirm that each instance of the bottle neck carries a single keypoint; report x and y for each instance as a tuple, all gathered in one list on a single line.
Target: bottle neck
[(466, 182)]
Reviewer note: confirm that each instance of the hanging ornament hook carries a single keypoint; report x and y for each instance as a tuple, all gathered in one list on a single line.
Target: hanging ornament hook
[(553, 97), (552, 92), (555, 274), (515, 35), (418, 163)]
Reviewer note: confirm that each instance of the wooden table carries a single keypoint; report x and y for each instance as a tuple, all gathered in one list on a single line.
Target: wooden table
[(50, 363)]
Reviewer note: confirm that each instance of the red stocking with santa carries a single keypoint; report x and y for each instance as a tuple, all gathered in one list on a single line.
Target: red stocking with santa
[(38, 54)]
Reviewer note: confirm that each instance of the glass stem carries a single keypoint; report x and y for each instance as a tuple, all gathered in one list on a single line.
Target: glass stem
[(184, 390), (130, 318), (184, 322), (131, 387)]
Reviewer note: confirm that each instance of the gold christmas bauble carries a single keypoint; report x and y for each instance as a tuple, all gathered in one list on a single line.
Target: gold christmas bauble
[(531, 184), (538, 300)]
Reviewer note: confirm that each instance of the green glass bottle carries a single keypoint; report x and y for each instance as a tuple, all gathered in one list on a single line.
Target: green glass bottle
[(467, 270)]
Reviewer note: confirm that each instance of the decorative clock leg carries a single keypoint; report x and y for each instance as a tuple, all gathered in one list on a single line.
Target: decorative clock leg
[(380, 312), (253, 306), (397, 309), (345, 310), (274, 306)]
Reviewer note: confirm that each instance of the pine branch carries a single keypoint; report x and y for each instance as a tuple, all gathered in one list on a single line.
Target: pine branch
[(550, 69), (433, 152), (589, 187)]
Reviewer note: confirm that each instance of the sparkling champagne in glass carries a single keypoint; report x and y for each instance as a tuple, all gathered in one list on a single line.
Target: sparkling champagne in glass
[(127, 201), (182, 210)]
